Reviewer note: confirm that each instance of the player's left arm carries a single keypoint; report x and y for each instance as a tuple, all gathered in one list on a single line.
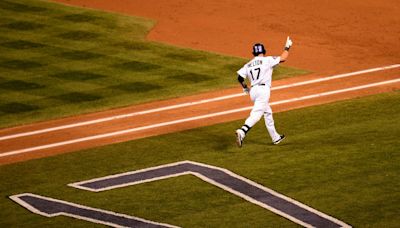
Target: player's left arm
[(243, 84), (242, 74)]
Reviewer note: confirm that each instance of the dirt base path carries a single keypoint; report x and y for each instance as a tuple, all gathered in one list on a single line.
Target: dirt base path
[(330, 37), (97, 129)]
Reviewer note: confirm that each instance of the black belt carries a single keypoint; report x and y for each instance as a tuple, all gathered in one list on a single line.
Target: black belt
[(258, 85)]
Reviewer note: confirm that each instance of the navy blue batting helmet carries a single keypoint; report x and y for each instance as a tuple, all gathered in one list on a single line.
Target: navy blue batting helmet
[(258, 48)]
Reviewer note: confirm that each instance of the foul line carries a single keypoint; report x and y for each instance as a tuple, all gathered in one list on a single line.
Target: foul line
[(116, 133), (192, 103)]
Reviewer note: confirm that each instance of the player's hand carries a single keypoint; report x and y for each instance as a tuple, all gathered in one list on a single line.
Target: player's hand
[(246, 90), (288, 44)]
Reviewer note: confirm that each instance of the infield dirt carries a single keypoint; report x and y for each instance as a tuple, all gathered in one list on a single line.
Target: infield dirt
[(329, 36)]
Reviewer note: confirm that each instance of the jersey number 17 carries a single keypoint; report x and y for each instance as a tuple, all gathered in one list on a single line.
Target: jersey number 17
[(258, 73)]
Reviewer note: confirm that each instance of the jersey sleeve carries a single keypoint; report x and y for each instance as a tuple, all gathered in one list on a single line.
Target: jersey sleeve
[(274, 60), (242, 72)]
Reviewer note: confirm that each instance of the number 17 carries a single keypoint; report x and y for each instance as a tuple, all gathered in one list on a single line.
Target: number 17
[(258, 73)]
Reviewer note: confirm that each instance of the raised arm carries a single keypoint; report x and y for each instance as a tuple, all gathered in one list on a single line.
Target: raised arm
[(285, 53)]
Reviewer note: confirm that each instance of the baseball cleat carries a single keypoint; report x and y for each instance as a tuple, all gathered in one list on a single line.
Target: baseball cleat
[(279, 140), (239, 137)]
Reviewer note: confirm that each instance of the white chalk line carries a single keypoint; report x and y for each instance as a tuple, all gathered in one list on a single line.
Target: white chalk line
[(116, 133), (111, 118)]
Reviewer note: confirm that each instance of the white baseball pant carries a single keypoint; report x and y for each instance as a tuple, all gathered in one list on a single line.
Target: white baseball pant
[(260, 96)]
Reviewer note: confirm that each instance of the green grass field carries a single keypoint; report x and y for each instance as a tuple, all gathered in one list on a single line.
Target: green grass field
[(59, 61), (55, 61), (340, 158)]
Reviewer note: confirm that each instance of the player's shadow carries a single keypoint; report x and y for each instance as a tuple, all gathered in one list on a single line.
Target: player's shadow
[(219, 142), (267, 143)]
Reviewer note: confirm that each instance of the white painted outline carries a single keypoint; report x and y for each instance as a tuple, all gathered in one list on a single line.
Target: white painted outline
[(131, 130), (21, 202), (78, 184), (111, 118), (206, 179)]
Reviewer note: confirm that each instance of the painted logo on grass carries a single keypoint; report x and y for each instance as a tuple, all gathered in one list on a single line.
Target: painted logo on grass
[(222, 178), (50, 207)]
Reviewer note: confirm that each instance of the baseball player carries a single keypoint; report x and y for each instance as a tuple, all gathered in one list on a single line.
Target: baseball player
[(258, 71)]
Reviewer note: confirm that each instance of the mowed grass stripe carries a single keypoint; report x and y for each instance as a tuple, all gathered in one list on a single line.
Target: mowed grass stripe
[(81, 52)]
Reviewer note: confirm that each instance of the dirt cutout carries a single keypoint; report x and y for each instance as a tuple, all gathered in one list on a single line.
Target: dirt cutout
[(329, 36)]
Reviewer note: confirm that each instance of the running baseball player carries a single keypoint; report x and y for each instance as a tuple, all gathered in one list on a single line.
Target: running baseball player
[(259, 73)]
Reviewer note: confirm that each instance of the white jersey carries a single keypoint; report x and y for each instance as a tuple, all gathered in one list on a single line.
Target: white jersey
[(259, 70)]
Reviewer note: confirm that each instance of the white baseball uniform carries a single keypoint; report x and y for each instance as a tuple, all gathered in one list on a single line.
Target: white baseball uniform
[(259, 72)]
